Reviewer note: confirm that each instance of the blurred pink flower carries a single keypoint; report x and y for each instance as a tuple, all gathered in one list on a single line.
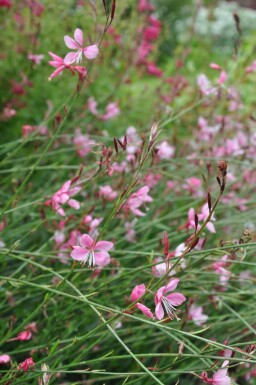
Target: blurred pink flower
[(25, 365), (90, 52), (36, 59), (112, 110), (218, 267), (203, 215), (138, 292), (167, 302), (83, 143), (145, 5), (165, 150), (5, 359), (195, 313), (130, 234), (107, 193), (62, 196), (152, 69), (95, 253), (5, 3), (92, 105), (22, 336), (137, 199)]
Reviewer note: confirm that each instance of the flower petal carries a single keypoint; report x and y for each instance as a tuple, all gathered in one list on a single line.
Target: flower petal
[(102, 258), (171, 285), (71, 43), (56, 57), (79, 37), (91, 52), (78, 253), (86, 241), (104, 245), (159, 311), (145, 310), (74, 203), (138, 292), (176, 299), (71, 57)]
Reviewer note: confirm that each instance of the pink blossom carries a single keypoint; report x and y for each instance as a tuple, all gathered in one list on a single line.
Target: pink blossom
[(205, 85), (91, 251), (220, 377), (25, 365), (83, 143), (145, 310), (90, 52), (137, 199), (36, 59), (5, 359), (22, 336), (58, 63), (203, 216), (107, 193), (112, 110), (222, 78), (165, 150), (5, 3), (92, 105), (130, 231), (152, 69), (160, 268), (218, 267), (151, 33), (138, 292), (93, 224), (195, 313), (167, 302), (145, 5), (251, 68), (62, 196)]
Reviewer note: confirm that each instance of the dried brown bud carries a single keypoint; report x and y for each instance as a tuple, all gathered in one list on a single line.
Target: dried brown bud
[(222, 166)]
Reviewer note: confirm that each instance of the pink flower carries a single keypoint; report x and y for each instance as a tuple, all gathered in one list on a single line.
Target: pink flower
[(112, 110), (5, 359), (195, 313), (145, 310), (137, 199), (89, 52), (145, 5), (251, 68), (220, 377), (138, 292), (96, 253), (83, 143), (22, 336), (5, 3), (36, 59), (203, 215), (92, 105), (167, 302), (58, 63), (218, 267), (152, 69), (25, 365), (107, 193), (63, 196), (165, 150)]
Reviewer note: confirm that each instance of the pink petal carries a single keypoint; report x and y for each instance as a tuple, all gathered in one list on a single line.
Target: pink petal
[(210, 227), (73, 203), (56, 72), (91, 52), (159, 294), (64, 198), (102, 258), (78, 35), (56, 57), (61, 212), (65, 186), (176, 299), (104, 245), (138, 292), (71, 57), (55, 64), (172, 285), (71, 43), (145, 310), (159, 311), (78, 253), (86, 241), (4, 359)]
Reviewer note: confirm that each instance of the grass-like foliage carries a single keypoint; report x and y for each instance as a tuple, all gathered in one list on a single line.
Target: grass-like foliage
[(127, 203)]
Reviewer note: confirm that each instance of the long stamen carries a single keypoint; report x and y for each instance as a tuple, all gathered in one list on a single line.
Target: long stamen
[(90, 257), (170, 310)]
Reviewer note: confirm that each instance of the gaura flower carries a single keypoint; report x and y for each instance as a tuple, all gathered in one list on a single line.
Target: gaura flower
[(62, 196), (138, 292), (166, 302), (89, 52), (5, 359), (95, 253), (25, 365), (60, 66), (219, 378)]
